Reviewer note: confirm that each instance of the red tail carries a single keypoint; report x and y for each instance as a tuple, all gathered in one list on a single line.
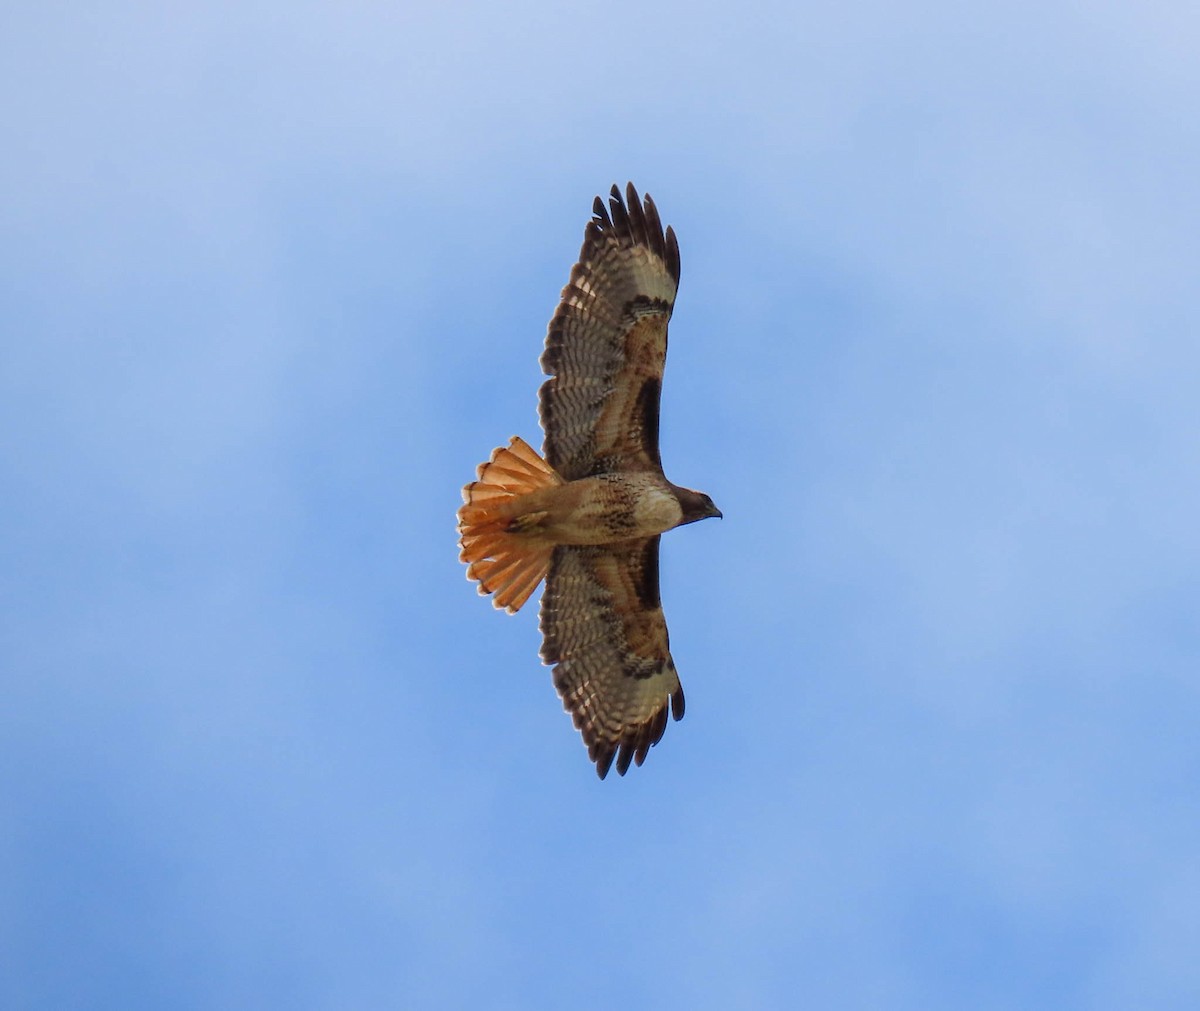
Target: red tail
[(506, 563)]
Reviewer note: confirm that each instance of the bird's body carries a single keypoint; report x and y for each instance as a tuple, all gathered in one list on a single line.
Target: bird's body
[(587, 518), (606, 509)]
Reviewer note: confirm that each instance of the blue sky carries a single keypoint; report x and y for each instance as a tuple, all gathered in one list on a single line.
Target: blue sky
[(274, 280)]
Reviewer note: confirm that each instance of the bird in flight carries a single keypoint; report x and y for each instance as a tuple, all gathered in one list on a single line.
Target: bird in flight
[(588, 514)]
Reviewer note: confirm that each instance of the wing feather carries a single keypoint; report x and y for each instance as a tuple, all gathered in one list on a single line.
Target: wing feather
[(604, 631), (607, 343)]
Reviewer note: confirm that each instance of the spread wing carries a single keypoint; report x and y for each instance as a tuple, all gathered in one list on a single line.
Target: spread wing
[(607, 343), (604, 632)]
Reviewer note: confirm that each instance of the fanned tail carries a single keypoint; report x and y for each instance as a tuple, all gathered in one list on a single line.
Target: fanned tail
[(506, 562)]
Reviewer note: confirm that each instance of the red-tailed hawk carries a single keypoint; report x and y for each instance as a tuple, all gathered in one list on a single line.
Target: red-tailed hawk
[(587, 518)]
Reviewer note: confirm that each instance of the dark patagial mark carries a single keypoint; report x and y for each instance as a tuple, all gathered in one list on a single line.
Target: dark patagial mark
[(647, 577), (646, 412)]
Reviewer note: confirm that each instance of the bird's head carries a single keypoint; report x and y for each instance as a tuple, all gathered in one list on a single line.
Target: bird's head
[(695, 505)]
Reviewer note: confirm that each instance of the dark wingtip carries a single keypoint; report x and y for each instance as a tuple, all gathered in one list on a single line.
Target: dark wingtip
[(620, 217), (654, 228), (634, 218), (672, 257), (604, 761), (600, 214), (632, 200), (624, 757), (637, 218)]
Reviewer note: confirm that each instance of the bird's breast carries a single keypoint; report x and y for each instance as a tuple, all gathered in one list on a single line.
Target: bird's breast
[(611, 508)]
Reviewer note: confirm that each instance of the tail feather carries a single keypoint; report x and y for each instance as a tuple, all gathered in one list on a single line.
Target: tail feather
[(521, 588), (483, 493), (492, 570), (505, 561)]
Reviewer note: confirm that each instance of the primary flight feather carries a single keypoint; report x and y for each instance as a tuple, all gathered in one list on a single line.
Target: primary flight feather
[(588, 517)]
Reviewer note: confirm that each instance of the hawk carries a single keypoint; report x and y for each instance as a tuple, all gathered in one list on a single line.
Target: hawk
[(587, 516)]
